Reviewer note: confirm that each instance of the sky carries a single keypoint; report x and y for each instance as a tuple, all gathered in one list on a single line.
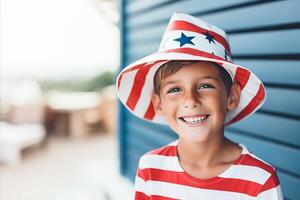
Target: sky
[(56, 39)]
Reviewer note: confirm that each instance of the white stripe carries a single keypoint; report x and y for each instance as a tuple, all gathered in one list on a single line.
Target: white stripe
[(176, 191), (168, 42), (198, 22), (246, 172), (126, 85), (271, 194), (141, 186), (160, 162), (145, 98)]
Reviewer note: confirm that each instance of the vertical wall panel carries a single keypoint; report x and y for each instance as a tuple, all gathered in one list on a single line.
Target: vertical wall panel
[(264, 35)]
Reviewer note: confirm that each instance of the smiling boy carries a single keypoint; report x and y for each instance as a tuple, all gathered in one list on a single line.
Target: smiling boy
[(192, 85)]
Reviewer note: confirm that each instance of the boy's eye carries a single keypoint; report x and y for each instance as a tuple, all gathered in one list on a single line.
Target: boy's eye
[(203, 86), (172, 90)]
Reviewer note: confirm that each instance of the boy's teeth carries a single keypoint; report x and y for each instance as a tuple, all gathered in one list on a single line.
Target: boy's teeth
[(195, 119)]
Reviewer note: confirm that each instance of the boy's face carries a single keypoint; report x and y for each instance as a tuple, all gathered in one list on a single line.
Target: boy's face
[(194, 101)]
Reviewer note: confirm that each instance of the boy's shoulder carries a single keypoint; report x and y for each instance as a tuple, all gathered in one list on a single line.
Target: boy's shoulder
[(259, 171), (251, 160), (252, 168)]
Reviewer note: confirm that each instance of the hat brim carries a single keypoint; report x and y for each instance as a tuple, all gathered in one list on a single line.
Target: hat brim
[(135, 85)]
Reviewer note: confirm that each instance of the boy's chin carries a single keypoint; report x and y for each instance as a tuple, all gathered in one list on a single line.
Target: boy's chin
[(194, 137)]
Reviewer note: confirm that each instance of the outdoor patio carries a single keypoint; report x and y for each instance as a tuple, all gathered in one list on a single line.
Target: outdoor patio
[(64, 168)]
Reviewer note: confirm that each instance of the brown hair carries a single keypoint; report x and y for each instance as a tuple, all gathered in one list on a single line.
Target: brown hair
[(173, 66)]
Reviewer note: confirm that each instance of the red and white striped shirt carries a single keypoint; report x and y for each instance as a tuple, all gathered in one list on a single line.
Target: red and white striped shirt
[(161, 177)]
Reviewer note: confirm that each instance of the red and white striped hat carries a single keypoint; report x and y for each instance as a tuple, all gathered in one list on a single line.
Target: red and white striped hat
[(187, 38)]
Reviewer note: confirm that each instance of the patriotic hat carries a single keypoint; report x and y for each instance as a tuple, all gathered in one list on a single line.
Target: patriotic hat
[(187, 38)]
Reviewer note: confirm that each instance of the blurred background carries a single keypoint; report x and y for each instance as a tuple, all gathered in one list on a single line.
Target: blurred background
[(58, 140)]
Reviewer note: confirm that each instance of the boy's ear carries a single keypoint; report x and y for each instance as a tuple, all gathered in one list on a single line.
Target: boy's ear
[(157, 104), (234, 96)]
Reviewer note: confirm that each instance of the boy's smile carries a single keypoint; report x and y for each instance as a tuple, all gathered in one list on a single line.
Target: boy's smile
[(194, 120), (194, 101)]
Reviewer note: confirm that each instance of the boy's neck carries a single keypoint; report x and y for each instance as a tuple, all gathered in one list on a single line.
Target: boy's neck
[(205, 153)]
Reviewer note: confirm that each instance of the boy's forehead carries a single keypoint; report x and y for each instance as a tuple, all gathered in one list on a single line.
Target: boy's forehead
[(198, 70), (181, 79)]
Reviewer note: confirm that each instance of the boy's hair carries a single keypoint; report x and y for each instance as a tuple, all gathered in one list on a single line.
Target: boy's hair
[(174, 66)]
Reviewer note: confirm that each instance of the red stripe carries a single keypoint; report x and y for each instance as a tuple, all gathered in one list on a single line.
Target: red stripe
[(138, 84), (165, 151), (183, 25), (260, 95), (194, 52), (252, 161), (129, 70), (134, 68), (150, 113), (141, 196), (222, 184), (143, 174), (157, 197), (242, 76)]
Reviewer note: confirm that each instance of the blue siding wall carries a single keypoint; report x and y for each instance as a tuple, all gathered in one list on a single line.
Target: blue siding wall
[(264, 36)]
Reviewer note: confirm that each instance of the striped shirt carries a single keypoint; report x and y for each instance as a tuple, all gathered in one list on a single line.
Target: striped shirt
[(160, 177)]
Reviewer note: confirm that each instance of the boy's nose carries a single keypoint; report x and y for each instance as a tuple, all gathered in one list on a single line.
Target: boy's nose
[(191, 100), (191, 105)]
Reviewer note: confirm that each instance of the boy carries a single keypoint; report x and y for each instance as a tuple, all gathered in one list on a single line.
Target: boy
[(192, 85)]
